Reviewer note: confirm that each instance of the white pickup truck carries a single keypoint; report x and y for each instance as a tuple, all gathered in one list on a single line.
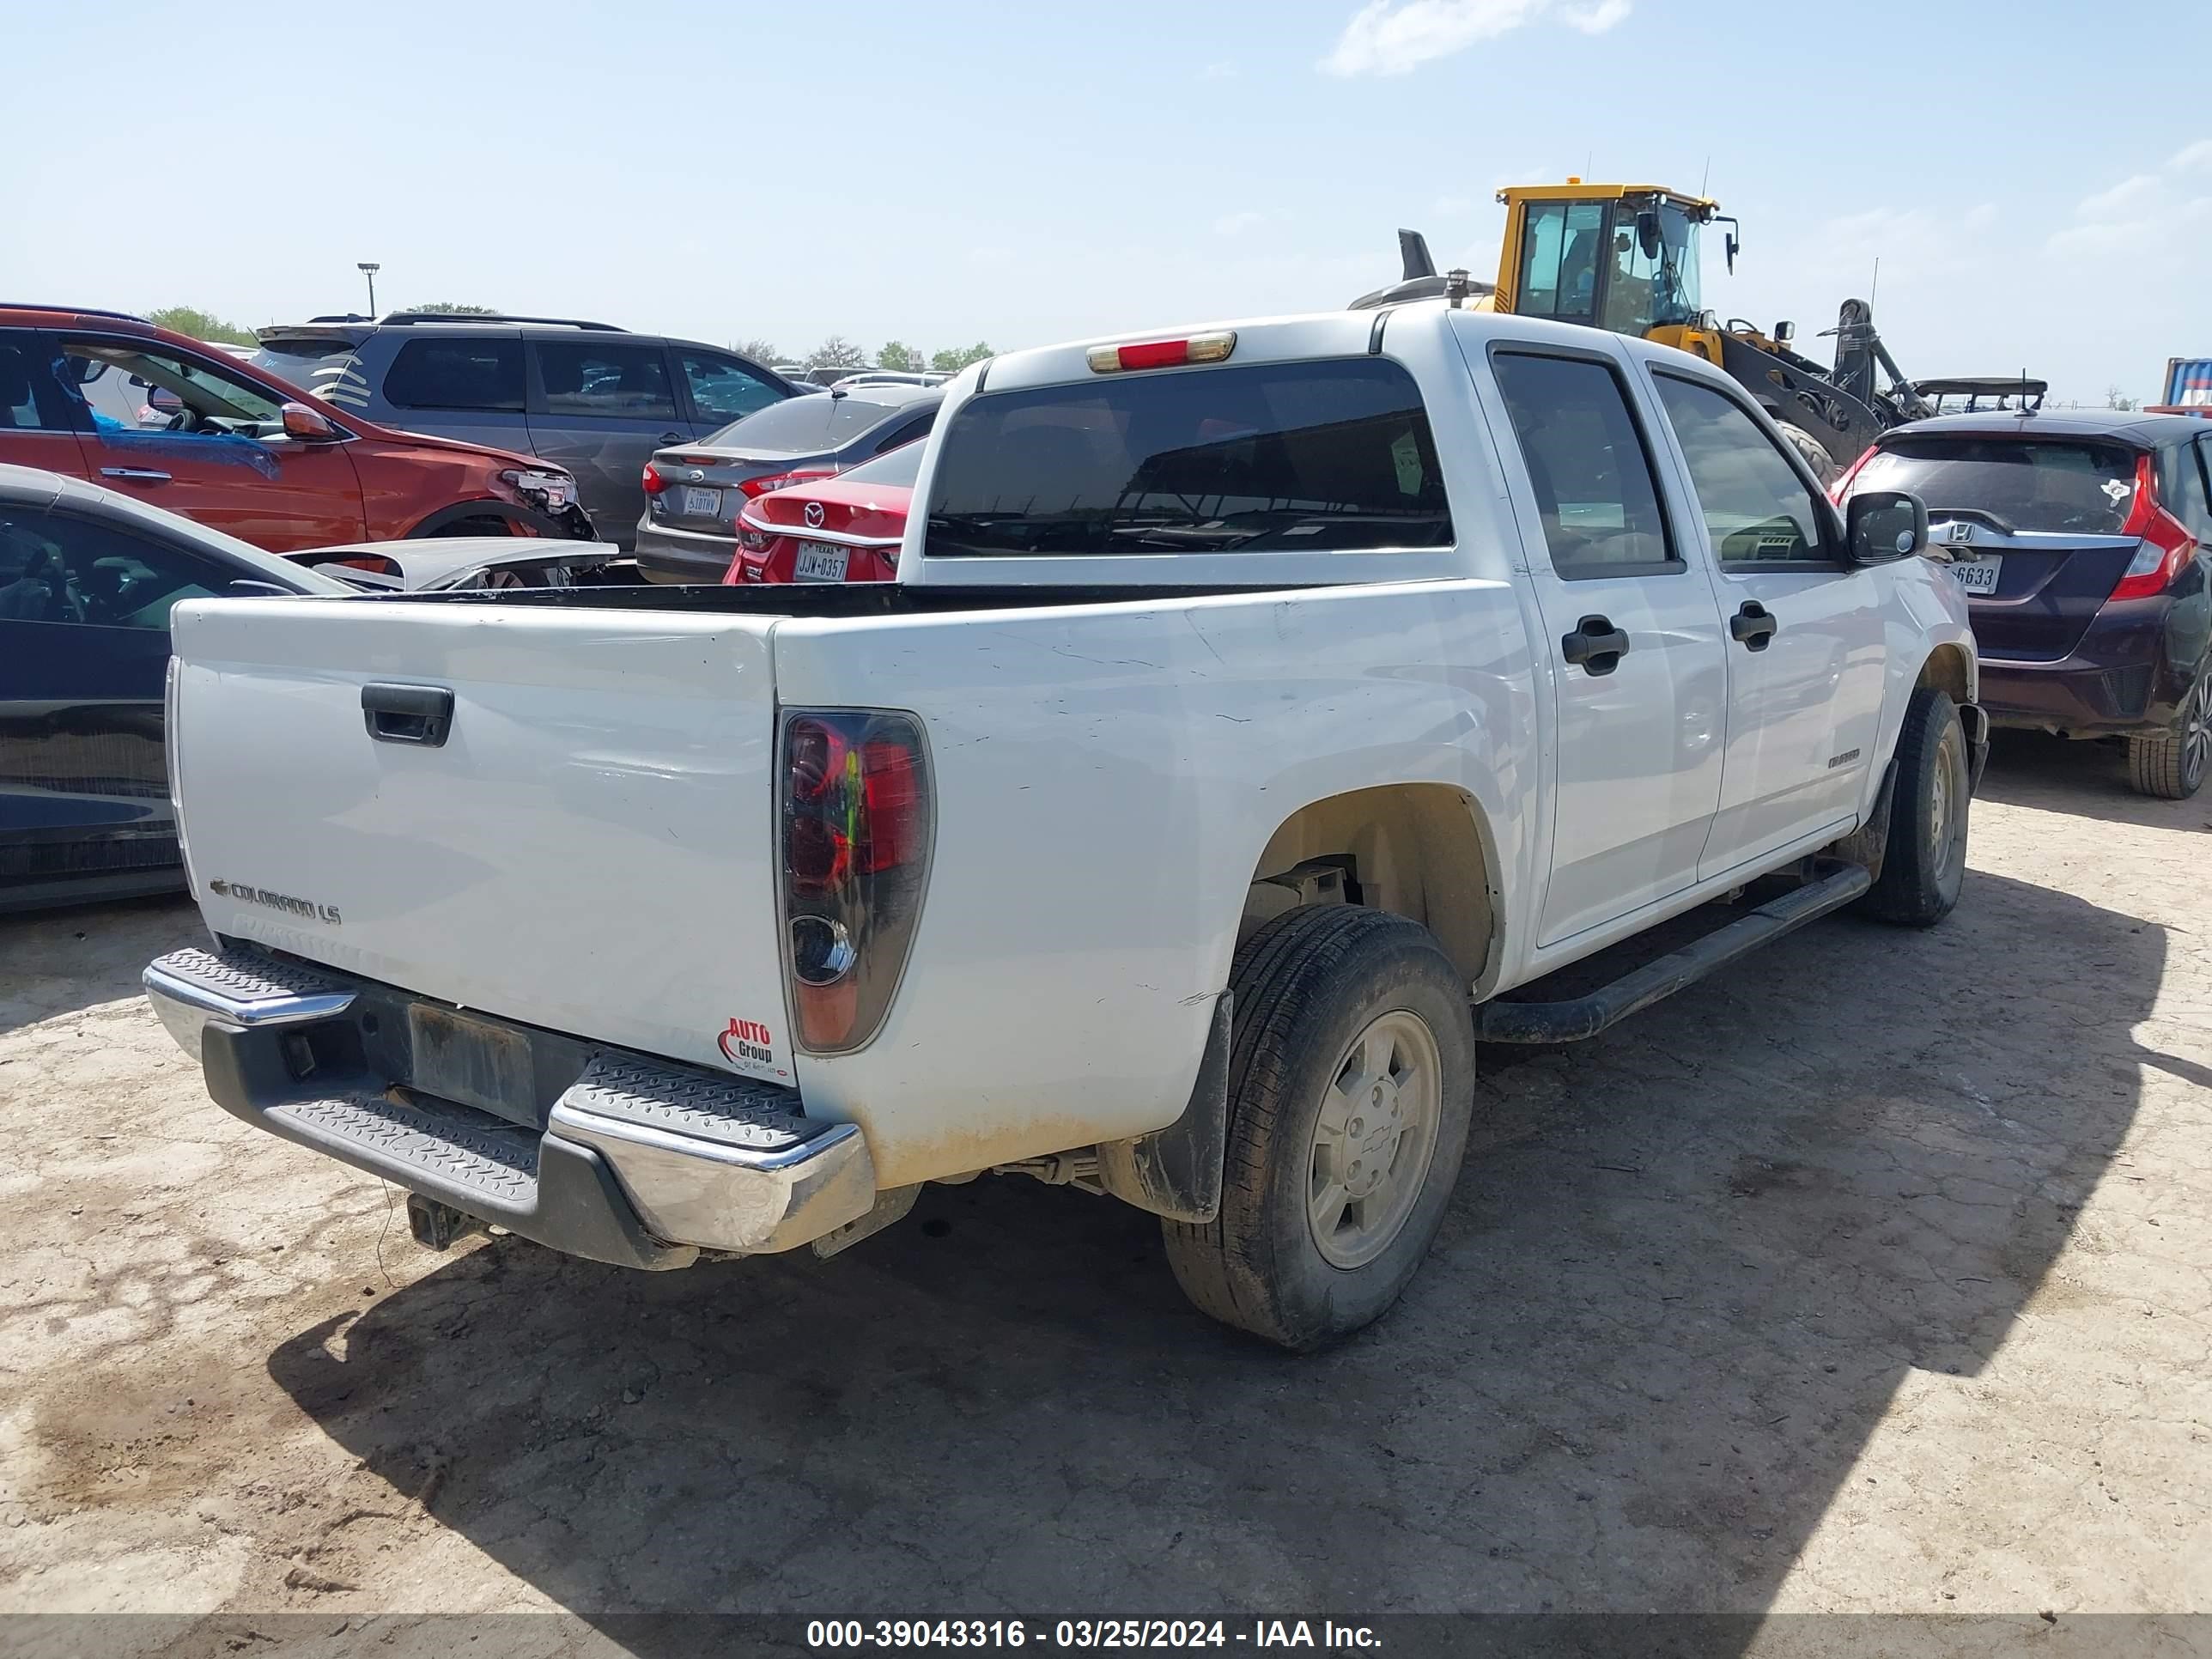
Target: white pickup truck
[(1258, 706)]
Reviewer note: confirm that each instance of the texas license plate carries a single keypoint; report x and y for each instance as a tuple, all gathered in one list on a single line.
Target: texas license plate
[(1978, 573), (818, 562), (702, 503)]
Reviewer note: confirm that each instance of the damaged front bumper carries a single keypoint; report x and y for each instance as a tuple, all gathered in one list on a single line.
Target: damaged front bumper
[(596, 1151)]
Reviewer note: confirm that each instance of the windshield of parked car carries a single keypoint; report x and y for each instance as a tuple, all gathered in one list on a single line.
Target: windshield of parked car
[(1277, 457), (811, 424), (2074, 485)]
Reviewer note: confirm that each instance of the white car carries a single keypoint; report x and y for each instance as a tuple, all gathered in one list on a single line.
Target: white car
[(1262, 711)]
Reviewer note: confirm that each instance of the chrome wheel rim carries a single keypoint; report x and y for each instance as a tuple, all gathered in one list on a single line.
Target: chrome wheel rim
[(2196, 730), (1374, 1139)]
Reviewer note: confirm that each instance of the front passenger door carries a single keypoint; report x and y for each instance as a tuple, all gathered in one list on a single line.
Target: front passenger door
[(1807, 640)]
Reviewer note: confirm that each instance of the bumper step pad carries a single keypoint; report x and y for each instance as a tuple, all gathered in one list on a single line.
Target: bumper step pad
[(642, 1163)]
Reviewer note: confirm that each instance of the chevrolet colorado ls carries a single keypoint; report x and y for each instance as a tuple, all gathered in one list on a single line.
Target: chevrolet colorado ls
[(1260, 712)]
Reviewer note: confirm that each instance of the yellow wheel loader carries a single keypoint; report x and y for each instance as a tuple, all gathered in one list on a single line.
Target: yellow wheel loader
[(1626, 257)]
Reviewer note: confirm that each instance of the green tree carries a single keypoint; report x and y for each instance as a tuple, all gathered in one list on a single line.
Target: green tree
[(761, 351), (200, 326), (455, 306), (952, 360), (897, 355), (837, 352)]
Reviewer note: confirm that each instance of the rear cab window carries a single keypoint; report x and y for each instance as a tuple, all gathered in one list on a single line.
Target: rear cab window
[(2058, 485), (1312, 457)]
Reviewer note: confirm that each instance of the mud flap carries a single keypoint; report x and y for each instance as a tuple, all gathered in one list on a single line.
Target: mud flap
[(1175, 1171)]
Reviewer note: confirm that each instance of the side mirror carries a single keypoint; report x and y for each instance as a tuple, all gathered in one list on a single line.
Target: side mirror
[(1647, 234), (308, 427), (1785, 332), (1883, 526)]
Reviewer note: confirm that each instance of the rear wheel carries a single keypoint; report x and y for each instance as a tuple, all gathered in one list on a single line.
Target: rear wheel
[(1923, 864), (1815, 452), (2170, 765), (1350, 1084)]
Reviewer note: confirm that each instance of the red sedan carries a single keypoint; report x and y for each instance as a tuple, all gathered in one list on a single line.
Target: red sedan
[(840, 528)]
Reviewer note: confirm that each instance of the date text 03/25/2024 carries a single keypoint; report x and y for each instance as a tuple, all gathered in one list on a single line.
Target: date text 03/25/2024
[(830, 1634)]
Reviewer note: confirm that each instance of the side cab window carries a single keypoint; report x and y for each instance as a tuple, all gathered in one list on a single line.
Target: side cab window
[(58, 568), (1758, 507), (1588, 464)]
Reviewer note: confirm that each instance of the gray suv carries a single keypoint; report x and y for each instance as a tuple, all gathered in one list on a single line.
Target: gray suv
[(590, 396)]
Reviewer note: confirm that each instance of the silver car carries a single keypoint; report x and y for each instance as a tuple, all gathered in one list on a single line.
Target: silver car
[(693, 492)]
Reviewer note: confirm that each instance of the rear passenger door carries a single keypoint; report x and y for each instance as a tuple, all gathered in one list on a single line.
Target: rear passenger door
[(600, 405), (39, 415), (1638, 674), (1807, 638)]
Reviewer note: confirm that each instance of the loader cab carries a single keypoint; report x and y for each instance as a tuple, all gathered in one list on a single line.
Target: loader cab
[(1623, 257)]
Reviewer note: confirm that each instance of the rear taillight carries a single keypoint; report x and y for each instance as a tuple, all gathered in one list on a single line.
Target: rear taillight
[(1840, 491), (855, 839), (2168, 546), (757, 487), (654, 483)]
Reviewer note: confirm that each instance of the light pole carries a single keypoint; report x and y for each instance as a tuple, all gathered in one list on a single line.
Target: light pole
[(369, 268)]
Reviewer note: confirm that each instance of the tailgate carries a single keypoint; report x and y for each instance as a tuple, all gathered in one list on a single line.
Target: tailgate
[(588, 848)]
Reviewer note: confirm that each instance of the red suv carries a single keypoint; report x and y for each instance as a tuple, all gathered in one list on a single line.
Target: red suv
[(113, 400)]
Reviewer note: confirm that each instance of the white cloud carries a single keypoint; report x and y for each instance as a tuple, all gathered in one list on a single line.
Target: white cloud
[(2192, 157), (1595, 19), (1393, 37), (2128, 196), (1236, 224), (1219, 72)]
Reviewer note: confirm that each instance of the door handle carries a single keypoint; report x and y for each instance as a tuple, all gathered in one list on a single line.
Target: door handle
[(1595, 644), (1753, 624), (408, 714), (674, 438), (141, 474)]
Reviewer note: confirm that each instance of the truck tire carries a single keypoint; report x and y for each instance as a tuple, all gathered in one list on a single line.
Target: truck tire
[(2170, 765), (1815, 452), (1350, 1085), (1924, 863)]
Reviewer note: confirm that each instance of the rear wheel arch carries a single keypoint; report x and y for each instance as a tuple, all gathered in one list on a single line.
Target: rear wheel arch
[(1423, 850)]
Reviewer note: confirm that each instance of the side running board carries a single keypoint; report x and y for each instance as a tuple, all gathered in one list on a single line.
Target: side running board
[(1585, 1016)]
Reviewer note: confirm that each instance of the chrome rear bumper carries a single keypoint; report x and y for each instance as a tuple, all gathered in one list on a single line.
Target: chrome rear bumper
[(607, 1154)]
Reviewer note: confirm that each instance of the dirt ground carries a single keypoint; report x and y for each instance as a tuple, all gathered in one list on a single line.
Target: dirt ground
[(1872, 1275)]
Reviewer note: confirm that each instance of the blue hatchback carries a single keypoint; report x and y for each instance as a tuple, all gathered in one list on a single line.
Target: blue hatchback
[(2082, 541)]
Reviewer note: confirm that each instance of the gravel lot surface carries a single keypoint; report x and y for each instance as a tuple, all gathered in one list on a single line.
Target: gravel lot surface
[(1872, 1275)]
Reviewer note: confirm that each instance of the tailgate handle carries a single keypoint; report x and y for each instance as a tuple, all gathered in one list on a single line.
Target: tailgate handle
[(408, 714)]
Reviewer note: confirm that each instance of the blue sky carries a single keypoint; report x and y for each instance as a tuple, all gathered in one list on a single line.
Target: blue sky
[(2028, 173)]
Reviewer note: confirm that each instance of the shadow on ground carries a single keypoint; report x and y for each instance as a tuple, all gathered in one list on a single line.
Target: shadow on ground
[(56, 962), (1682, 1278), (2083, 779)]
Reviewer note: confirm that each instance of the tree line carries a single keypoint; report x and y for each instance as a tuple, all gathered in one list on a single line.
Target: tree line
[(838, 352)]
